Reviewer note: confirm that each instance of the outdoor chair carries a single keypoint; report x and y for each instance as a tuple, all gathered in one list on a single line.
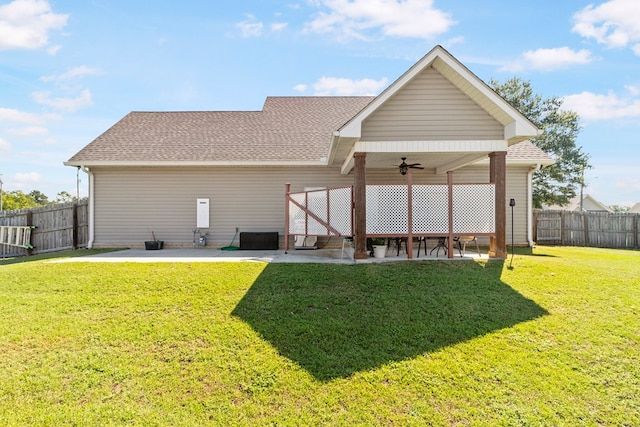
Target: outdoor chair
[(441, 244), (463, 241), (397, 243)]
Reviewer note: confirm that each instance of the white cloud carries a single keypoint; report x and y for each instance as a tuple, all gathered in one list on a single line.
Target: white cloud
[(22, 179), (29, 131), (300, 88), (278, 26), (250, 27), (64, 104), (17, 116), (592, 106), (326, 86), (357, 19), (72, 73), (25, 24), (614, 23), (633, 90), (549, 59), (5, 147)]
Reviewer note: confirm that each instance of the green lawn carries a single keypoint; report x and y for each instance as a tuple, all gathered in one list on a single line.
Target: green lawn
[(555, 340)]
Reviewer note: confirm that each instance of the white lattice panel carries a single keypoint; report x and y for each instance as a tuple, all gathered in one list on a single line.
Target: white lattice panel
[(430, 209), (317, 204), (330, 206), (474, 208), (387, 208), (297, 216), (340, 202)]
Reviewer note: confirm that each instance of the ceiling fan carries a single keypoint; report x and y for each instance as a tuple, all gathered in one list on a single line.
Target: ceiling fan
[(404, 167)]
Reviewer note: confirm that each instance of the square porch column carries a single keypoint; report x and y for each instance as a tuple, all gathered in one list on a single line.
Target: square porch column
[(498, 176), (360, 206)]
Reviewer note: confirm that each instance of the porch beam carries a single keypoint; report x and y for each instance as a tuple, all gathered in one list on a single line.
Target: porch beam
[(497, 176), (432, 146), (459, 163), (471, 150), (360, 206)]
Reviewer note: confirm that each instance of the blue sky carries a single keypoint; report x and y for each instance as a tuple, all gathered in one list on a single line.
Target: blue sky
[(70, 69)]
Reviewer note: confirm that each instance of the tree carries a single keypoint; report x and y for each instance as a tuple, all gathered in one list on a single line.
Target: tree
[(619, 209), (39, 197), (556, 184), (14, 200), (64, 197)]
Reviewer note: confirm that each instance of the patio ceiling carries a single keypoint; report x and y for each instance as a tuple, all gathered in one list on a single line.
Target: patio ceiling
[(432, 162), (435, 156)]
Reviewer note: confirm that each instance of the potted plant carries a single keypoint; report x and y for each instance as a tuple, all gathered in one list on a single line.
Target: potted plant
[(378, 246), (154, 244)]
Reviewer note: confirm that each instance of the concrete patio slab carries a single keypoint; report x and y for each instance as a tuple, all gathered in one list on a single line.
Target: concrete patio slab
[(327, 256)]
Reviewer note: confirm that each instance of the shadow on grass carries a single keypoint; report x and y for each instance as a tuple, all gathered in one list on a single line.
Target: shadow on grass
[(336, 320)]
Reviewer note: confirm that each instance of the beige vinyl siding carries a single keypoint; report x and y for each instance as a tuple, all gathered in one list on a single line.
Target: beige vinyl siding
[(132, 202), (430, 107)]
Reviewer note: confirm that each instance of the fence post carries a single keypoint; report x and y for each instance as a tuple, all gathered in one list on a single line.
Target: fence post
[(74, 230), (562, 228), (585, 224), (29, 219), (635, 230)]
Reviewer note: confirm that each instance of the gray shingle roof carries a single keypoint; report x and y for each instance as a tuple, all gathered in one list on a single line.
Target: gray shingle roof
[(287, 129), (295, 129), (527, 151)]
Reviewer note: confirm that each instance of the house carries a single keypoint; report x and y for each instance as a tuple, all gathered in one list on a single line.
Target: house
[(171, 173), (589, 204), (635, 208)]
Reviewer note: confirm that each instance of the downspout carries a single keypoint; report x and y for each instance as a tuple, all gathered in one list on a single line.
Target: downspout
[(530, 202), (86, 170)]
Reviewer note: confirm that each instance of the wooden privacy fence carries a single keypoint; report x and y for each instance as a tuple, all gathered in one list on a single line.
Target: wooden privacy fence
[(596, 229), (56, 227)]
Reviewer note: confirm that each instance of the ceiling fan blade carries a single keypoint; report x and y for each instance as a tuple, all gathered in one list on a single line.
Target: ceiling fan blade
[(416, 167)]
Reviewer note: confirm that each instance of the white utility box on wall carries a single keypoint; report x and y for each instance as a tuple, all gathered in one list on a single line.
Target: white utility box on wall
[(202, 213)]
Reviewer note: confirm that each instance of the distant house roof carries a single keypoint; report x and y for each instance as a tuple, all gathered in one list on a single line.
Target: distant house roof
[(635, 208), (589, 204)]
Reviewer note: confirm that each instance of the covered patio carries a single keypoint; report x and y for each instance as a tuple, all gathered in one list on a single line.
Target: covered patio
[(410, 212), (442, 116)]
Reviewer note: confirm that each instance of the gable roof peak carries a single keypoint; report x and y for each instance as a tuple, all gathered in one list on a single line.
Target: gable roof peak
[(517, 126)]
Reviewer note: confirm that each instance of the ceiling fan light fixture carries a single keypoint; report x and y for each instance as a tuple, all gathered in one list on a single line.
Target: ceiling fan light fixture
[(404, 167)]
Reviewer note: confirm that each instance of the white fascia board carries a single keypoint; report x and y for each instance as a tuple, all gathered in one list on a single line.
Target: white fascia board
[(522, 128), (462, 146), (519, 130), (250, 163)]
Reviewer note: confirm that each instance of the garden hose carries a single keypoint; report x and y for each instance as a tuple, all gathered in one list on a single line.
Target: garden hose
[(231, 247)]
